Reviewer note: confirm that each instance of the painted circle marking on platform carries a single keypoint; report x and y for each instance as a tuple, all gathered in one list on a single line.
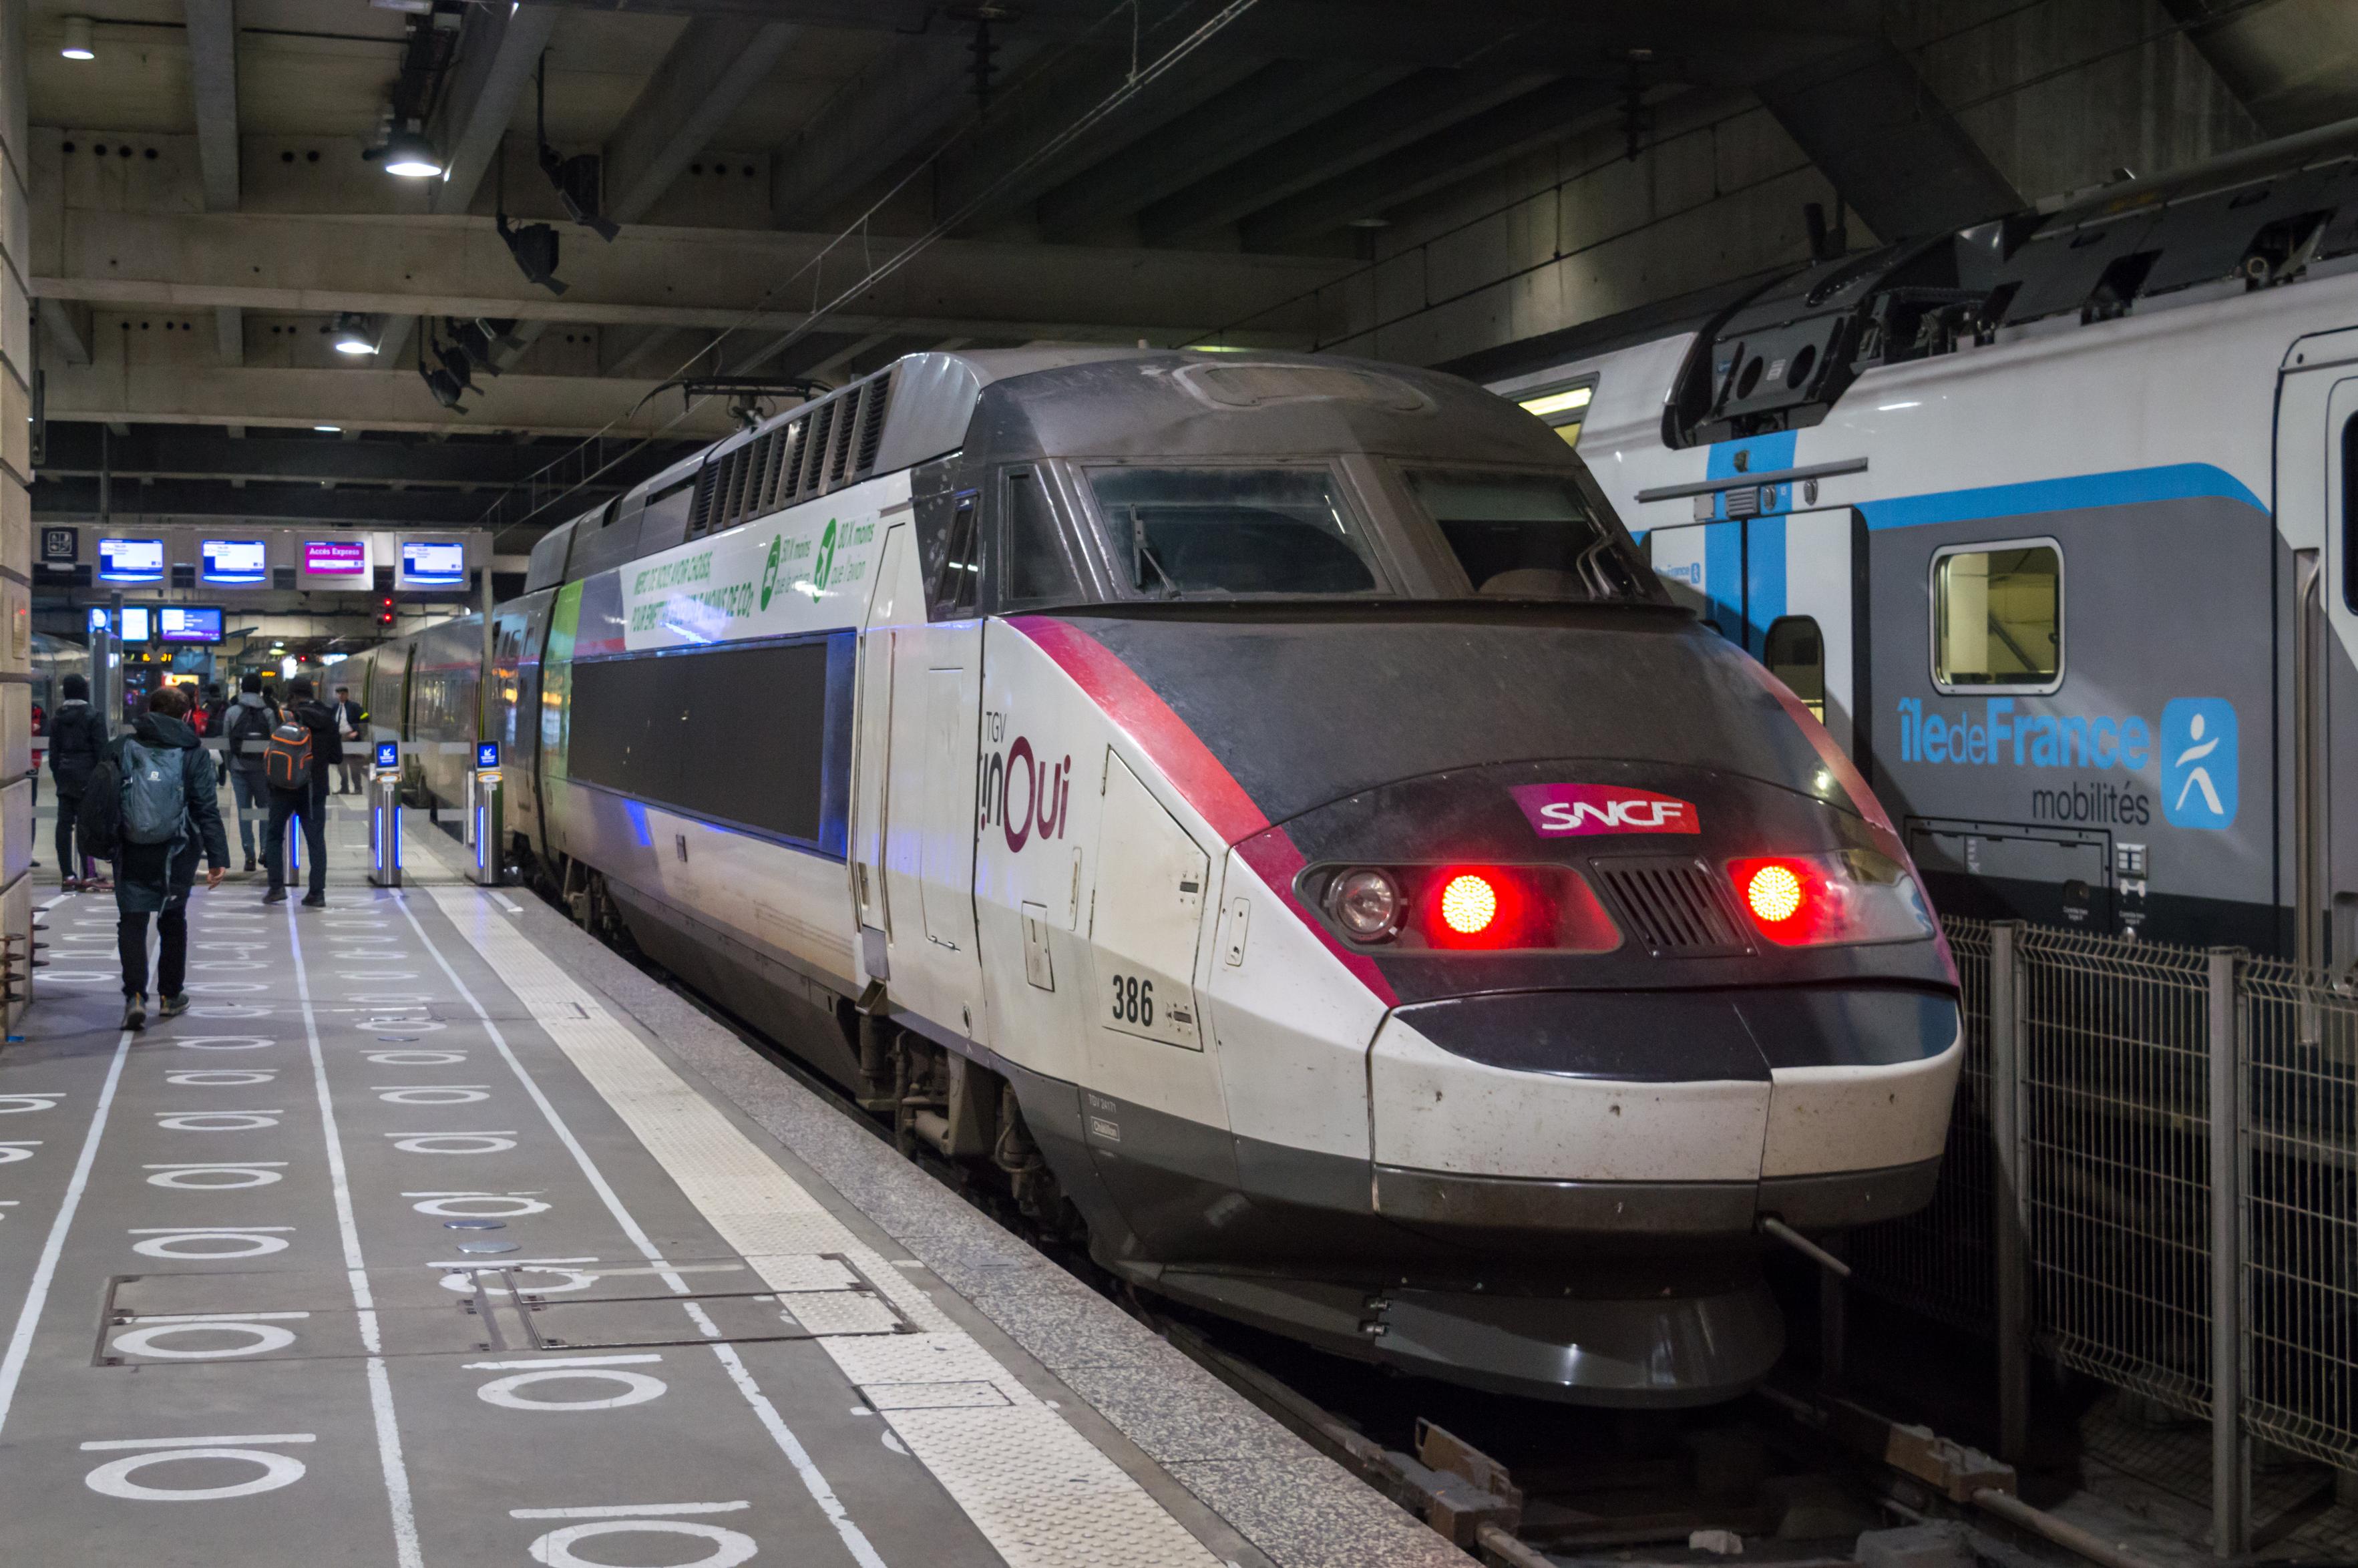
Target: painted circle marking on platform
[(227, 1009), (730, 1547), (423, 1026), (225, 1042), (430, 1094), (377, 974), (12, 1153), (263, 1338), (573, 1278), (113, 1479), (219, 1120), (14, 1105), (208, 987), (249, 1245), (367, 924), (479, 1143), (220, 1078), (416, 1058), (392, 996), (470, 1217), (637, 1389), (209, 964), (185, 1179), (79, 977)]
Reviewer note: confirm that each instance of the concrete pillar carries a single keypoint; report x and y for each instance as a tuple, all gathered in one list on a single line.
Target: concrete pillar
[(16, 520)]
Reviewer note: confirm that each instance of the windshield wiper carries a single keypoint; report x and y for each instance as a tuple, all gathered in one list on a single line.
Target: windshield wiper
[(1141, 556)]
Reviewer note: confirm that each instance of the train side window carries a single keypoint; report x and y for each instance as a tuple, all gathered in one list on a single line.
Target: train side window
[(1037, 566), (1795, 653), (957, 587), (1997, 616)]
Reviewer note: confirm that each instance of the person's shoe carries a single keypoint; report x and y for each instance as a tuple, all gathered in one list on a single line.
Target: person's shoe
[(315, 900), (250, 866), (134, 1011), (70, 884), (275, 895), (173, 1006)]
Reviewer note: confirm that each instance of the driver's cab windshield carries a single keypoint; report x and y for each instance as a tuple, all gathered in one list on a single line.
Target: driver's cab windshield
[(1199, 533)]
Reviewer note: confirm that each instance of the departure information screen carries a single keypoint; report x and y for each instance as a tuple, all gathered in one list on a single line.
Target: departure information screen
[(130, 561)]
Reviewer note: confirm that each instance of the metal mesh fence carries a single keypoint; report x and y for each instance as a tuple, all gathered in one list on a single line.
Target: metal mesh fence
[(2301, 1211), (2113, 1042), (2115, 1160)]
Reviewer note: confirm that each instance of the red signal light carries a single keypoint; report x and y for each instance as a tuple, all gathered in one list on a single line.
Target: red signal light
[(1774, 893), (1469, 903)]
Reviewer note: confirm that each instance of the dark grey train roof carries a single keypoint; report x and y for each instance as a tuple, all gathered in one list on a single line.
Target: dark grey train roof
[(1070, 401), (1777, 353)]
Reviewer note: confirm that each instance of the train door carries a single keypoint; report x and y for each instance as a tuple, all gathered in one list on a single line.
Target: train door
[(1785, 587), (929, 816), (895, 597), (2324, 632)]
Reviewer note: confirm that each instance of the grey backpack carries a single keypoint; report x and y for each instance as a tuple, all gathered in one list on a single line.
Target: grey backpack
[(154, 794)]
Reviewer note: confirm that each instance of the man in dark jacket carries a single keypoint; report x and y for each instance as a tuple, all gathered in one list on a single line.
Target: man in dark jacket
[(157, 877), (310, 802), (245, 729), (76, 736)]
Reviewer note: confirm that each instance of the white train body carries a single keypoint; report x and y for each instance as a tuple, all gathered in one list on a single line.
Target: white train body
[(989, 793)]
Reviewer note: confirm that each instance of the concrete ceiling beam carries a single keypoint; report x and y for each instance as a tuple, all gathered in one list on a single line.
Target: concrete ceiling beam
[(714, 65), (1457, 154), (122, 396), (682, 277), (1422, 107), (191, 452), (1275, 103), (902, 108)]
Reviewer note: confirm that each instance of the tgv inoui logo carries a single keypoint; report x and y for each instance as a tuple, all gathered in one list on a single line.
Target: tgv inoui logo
[(1564, 810)]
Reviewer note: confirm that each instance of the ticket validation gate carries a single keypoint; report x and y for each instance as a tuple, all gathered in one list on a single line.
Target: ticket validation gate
[(486, 829), (385, 817)]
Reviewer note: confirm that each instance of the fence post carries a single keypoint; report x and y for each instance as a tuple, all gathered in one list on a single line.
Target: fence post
[(2230, 1452), (2009, 1228)]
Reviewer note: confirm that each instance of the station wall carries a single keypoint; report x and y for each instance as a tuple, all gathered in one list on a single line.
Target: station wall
[(15, 524)]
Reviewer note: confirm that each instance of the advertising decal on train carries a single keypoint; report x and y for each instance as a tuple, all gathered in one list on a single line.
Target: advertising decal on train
[(788, 575), (2196, 753)]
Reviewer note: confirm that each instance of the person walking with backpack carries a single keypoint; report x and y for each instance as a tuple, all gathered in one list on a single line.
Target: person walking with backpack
[(159, 783), (77, 738), (303, 751), (246, 728)]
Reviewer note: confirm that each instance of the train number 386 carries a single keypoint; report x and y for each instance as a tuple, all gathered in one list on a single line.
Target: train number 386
[(1133, 999)]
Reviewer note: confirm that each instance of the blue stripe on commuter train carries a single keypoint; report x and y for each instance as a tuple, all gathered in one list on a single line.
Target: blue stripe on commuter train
[(2196, 748)]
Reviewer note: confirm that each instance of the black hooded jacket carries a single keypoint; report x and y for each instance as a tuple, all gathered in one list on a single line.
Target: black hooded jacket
[(149, 876), (76, 736)]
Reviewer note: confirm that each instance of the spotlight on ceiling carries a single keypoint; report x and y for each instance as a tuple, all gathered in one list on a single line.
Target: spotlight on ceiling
[(445, 388), (407, 153), (534, 245), (77, 45), (352, 335)]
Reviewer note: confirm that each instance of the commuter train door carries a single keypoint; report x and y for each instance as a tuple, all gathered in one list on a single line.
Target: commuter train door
[(1786, 587), (2325, 616)]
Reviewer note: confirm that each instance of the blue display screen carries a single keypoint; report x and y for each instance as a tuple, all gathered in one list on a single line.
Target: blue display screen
[(388, 754), (486, 754)]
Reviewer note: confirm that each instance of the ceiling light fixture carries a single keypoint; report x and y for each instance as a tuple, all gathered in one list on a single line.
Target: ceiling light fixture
[(329, 429), (407, 153), (77, 45), (352, 335)]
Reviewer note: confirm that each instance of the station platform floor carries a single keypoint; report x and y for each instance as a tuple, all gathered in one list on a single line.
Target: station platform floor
[(436, 1234)]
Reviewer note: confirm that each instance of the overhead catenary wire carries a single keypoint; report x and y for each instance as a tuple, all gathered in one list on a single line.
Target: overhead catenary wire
[(1137, 83)]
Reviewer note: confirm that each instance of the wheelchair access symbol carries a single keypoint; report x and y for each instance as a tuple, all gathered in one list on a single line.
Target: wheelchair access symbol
[(2197, 763)]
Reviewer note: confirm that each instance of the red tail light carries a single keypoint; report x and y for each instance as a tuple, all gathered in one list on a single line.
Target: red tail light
[(1469, 905), (1814, 901)]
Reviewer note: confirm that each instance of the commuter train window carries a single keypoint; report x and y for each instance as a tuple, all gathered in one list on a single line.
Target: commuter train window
[(1531, 537), (1036, 568), (958, 587), (1795, 653), (1997, 616), (1563, 407), (1217, 532)]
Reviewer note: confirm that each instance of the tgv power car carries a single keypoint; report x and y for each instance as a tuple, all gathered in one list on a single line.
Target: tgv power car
[(1267, 809)]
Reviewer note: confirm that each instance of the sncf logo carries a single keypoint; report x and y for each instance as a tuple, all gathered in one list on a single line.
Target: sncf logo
[(1564, 810)]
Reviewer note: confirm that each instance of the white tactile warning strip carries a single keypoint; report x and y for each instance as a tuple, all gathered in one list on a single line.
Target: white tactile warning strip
[(1042, 1494)]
